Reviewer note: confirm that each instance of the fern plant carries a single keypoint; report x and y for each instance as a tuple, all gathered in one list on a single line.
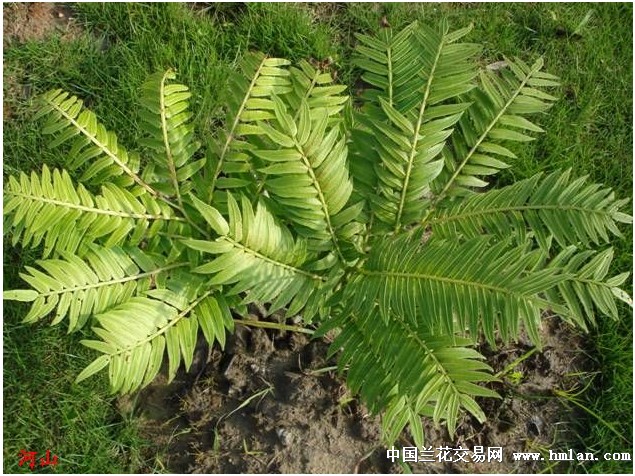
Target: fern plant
[(371, 218)]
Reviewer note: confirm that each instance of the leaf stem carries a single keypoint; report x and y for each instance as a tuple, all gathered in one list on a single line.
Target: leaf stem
[(244, 248), (519, 208), (274, 325), (230, 135), (99, 211), (415, 139), (325, 208), (166, 142), (115, 281)]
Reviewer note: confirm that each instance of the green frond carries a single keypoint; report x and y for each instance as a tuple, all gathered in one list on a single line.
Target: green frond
[(404, 368), (495, 119), (390, 62), (132, 341), (94, 149), (258, 256), (451, 286), (316, 88), (402, 68), (307, 175), (200, 306), (587, 288), (136, 334), (249, 100), (77, 288), (215, 319), (165, 117), (50, 207), (573, 211), (409, 131)]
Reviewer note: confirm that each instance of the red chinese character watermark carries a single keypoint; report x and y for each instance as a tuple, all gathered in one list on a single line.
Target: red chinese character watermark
[(28, 457), (47, 461)]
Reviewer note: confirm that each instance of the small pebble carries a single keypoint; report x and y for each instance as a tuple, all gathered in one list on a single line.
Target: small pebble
[(285, 436), (535, 425)]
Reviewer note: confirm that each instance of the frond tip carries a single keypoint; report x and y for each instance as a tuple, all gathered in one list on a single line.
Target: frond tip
[(165, 117), (450, 285), (496, 118), (249, 100), (136, 334), (572, 211)]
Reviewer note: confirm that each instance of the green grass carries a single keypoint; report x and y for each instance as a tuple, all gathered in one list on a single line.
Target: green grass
[(43, 410), (589, 130)]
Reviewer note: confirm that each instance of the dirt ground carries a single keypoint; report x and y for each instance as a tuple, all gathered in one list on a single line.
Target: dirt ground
[(35, 21), (271, 403), (24, 22)]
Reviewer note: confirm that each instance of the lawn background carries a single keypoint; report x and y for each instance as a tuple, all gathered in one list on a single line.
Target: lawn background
[(590, 130)]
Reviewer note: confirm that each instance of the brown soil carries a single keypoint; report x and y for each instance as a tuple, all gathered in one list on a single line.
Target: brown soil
[(23, 22), (264, 406)]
